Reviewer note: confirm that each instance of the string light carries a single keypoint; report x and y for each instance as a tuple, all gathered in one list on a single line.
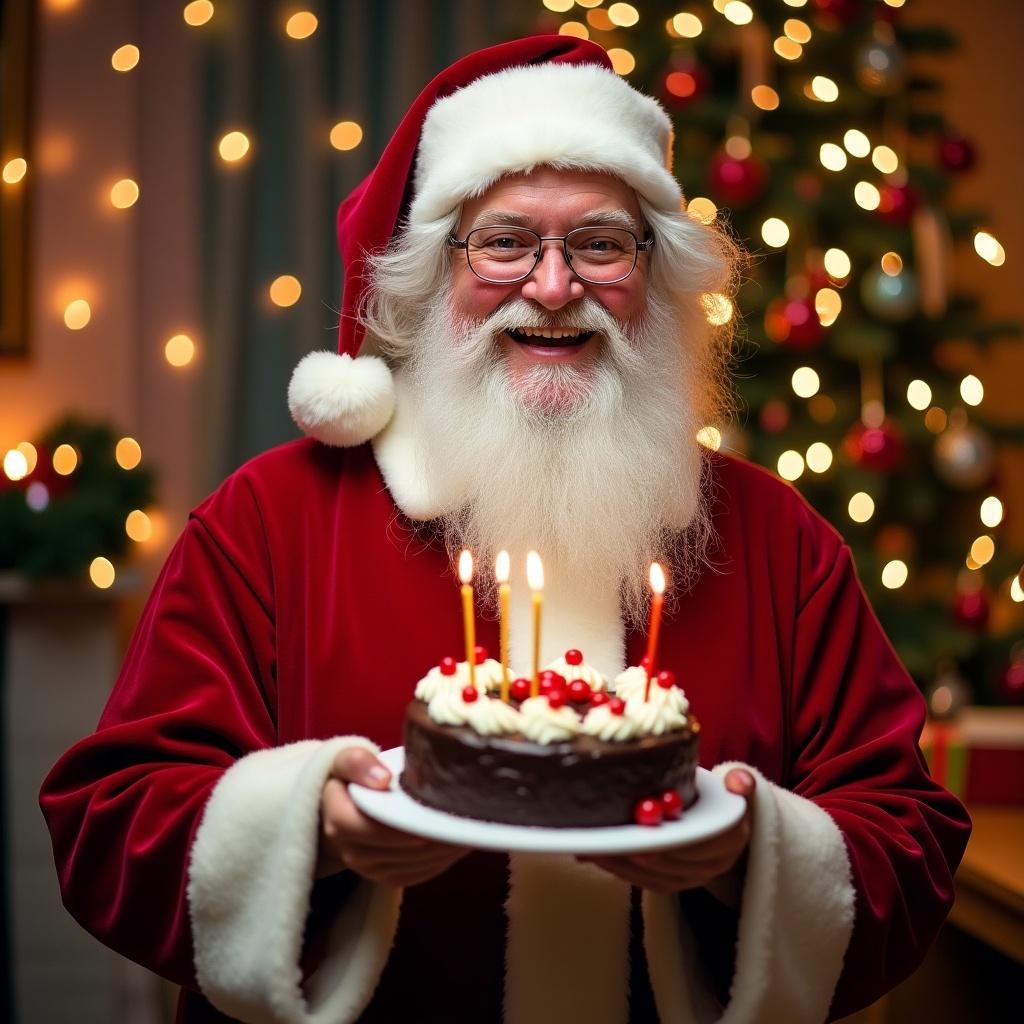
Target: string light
[(775, 232), (894, 575), (717, 307), (837, 264), (37, 497), (1016, 591), (623, 15), (233, 146), (197, 13), (805, 382), (703, 209), (972, 391), (738, 12), (828, 304), (764, 97), (301, 25), (819, 457), (138, 526), (866, 195), (128, 453), (180, 350), (892, 264), (831, 156), (77, 314), (29, 451), (15, 465), (988, 248), (574, 28), (346, 135), (598, 18), (101, 572), (991, 512), (791, 465), (982, 550), (935, 419), (797, 30), (822, 89), (65, 460), (861, 507), (737, 146), (285, 290), (589, 3), (124, 193), (710, 437), (126, 57), (623, 62), (558, 6), (689, 26), (787, 49), (885, 159), (919, 395), (14, 170), (681, 84), (894, 3), (856, 143), (821, 409), (795, 3)]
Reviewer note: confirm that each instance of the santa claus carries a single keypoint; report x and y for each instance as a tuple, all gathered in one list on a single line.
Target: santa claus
[(525, 362)]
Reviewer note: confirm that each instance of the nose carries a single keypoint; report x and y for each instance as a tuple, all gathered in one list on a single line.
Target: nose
[(552, 283)]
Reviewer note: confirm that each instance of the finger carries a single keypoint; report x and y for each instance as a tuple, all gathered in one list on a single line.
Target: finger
[(623, 868), (357, 764), (403, 871), (740, 782), (342, 820)]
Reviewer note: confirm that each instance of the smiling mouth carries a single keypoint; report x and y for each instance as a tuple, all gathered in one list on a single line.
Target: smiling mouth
[(550, 337)]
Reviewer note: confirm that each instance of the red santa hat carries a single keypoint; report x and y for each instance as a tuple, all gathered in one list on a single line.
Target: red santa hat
[(548, 99)]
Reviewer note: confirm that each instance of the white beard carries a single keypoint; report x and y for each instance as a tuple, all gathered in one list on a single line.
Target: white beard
[(596, 467)]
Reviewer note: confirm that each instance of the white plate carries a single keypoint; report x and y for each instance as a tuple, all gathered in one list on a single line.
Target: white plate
[(715, 811)]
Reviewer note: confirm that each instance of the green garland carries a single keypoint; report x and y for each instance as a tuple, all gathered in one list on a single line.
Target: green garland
[(53, 525)]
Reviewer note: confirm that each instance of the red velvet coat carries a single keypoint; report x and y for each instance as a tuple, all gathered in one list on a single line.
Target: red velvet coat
[(299, 603)]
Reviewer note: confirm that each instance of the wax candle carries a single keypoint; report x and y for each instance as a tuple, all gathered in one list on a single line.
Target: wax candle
[(535, 578), (657, 577), (501, 572), (468, 623)]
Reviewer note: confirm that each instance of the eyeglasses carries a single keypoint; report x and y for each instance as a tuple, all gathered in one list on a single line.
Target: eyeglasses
[(502, 254)]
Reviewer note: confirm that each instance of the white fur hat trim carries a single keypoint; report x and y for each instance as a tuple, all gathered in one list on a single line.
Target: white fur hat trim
[(339, 400), (564, 115)]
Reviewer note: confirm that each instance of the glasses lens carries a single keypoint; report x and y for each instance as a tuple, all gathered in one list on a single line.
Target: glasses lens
[(601, 255), (502, 253)]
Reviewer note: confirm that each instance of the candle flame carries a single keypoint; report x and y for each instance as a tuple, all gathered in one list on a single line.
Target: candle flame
[(501, 567), (534, 571), (465, 567), (657, 578)]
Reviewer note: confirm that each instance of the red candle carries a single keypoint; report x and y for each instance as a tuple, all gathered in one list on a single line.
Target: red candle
[(654, 626)]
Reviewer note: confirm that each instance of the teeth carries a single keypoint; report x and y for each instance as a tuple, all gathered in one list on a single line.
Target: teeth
[(549, 332)]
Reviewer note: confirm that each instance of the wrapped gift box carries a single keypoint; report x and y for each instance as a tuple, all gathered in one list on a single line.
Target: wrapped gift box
[(979, 755)]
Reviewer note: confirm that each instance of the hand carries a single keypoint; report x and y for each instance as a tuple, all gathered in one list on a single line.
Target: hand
[(689, 867), (349, 839)]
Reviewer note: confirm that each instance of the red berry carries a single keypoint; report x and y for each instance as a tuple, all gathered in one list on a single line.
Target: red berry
[(449, 666), (671, 804), (645, 663), (469, 694), (574, 657), (579, 691), (617, 706), (551, 684), (599, 698), (666, 679), (648, 812), (519, 689), (556, 699), (479, 655), (556, 677)]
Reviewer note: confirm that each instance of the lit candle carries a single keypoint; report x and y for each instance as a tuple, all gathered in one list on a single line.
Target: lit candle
[(654, 627), (468, 625), (535, 577), (501, 571)]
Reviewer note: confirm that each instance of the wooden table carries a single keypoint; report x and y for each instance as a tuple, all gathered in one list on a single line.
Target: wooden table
[(990, 883)]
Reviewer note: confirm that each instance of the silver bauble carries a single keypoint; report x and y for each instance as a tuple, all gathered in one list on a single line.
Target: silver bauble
[(890, 297), (881, 67), (964, 456)]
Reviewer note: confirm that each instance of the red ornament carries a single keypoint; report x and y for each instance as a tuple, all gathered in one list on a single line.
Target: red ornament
[(574, 657), (556, 699), (519, 689), (645, 663), (448, 666), (1011, 686), (738, 182), (479, 655), (897, 203), (833, 13), (774, 416), (648, 812), (957, 154), (617, 706), (681, 84), (666, 679), (805, 330), (880, 449), (671, 804), (971, 609), (579, 691), (469, 694), (598, 698)]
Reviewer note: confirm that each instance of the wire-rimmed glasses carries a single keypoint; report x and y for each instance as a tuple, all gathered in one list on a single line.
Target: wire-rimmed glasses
[(505, 254)]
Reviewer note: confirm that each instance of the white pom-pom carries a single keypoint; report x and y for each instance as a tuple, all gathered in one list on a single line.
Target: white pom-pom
[(339, 400)]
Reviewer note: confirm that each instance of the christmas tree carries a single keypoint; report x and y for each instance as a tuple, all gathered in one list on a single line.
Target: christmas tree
[(803, 127)]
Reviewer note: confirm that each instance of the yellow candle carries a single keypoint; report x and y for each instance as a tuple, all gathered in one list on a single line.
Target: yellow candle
[(654, 627), (468, 624), (501, 572), (535, 577)]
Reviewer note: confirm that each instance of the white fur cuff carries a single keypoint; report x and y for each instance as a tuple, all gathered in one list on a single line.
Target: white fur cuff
[(250, 877)]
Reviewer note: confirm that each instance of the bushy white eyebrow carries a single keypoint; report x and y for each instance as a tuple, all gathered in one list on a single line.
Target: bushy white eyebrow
[(597, 218)]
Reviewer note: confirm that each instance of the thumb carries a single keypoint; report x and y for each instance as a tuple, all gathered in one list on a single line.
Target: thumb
[(740, 782), (357, 764)]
